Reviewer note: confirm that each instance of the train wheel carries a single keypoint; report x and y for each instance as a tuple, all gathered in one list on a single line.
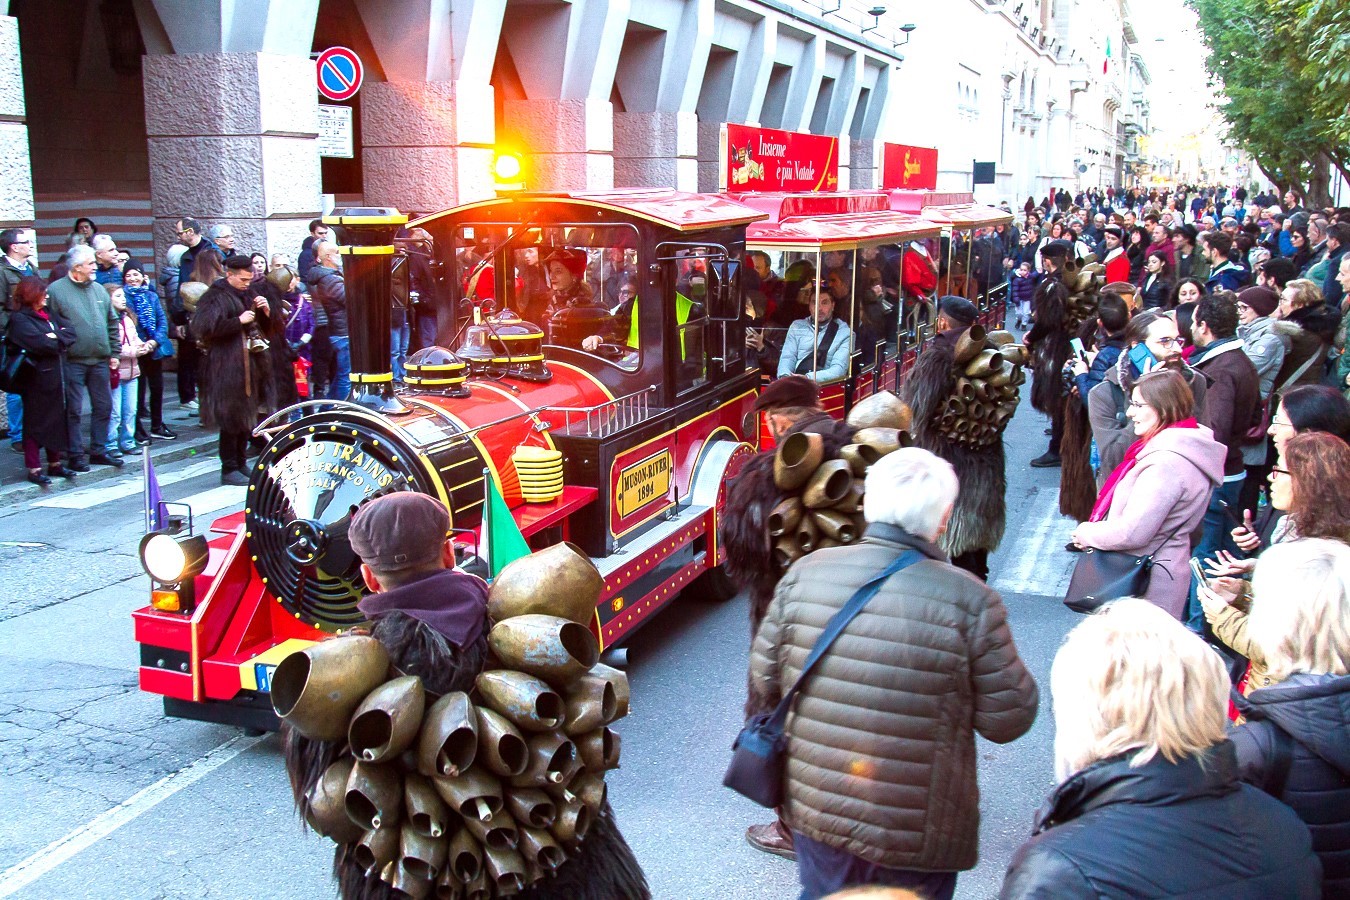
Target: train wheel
[(713, 586)]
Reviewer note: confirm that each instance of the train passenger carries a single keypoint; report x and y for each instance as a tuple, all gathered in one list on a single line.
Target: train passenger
[(769, 283), (817, 346)]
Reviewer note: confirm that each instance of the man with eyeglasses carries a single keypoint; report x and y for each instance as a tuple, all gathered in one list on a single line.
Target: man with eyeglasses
[(19, 248), (190, 235), (111, 261)]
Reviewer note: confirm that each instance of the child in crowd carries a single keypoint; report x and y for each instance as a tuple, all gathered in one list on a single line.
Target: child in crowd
[(152, 327), (1023, 288), (122, 429)]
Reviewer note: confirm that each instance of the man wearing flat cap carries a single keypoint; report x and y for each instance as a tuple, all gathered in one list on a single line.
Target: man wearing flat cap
[(977, 520), (789, 404)]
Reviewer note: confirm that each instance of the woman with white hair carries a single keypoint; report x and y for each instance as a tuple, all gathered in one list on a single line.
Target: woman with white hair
[(1296, 743), (1149, 802)]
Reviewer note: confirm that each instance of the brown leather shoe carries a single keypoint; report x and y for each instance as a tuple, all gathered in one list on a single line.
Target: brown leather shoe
[(771, 838)]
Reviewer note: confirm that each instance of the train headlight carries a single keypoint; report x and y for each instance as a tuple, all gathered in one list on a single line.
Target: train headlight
[(170, 560)]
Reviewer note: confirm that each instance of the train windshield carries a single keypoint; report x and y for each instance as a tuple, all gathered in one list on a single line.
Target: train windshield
[(578, 283)]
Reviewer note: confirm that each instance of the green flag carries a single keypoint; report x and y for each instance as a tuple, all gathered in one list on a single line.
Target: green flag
[(505, 543)]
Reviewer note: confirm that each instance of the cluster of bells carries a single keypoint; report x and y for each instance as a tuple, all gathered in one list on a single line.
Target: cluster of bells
[(988, 373), (1083, 284), (825, 503), (467, 796)]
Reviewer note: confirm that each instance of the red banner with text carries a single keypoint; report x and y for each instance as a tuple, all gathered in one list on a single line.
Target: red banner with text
[(765, 159), (909, 168)]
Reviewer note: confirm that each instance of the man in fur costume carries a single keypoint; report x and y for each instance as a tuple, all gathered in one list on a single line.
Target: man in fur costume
[(236, 381), (1048, 344), (977, 521), (791, 404), (432, 618)]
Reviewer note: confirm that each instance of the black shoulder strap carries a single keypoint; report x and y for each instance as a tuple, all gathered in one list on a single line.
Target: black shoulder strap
[(809, 364), (1119, 393), (838, 622)]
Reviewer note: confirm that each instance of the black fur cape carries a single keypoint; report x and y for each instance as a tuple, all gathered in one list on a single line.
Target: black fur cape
[(235, 385), (1048, 341), (1077, 481), (603, 869), (977, 520)]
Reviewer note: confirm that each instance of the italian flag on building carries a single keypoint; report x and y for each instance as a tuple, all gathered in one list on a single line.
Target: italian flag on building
[(1107, 61)]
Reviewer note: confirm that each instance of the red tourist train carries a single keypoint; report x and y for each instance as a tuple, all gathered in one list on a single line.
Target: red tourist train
[(615, 427)]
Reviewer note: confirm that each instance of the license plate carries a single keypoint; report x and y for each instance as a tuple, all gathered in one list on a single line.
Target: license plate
[(263, 673)]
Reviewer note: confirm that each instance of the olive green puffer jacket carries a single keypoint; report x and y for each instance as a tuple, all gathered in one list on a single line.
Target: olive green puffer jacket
[(881, 742)]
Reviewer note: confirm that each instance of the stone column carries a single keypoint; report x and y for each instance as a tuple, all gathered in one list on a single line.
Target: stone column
[(656, 149), (570, 141), (232, 139), (16, 172), (863, 174)]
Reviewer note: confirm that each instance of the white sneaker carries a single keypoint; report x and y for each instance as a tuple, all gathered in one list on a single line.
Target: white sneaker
[(190, 406)]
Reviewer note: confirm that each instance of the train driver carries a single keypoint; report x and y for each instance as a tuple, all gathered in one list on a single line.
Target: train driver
[(819, 345)]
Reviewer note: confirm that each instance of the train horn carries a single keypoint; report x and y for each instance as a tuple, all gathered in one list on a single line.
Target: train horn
[(423, 856), (969, 344), (797, 459), (317, 689), (424, 808), (449, 740), (551, 756), (829, 484), (327, 799), (528, 702), (598, 750), (881, 410), (555, 649), (374, 795), (559, 580), (386, 722), (785, 516), (531, 807), (474, 794)]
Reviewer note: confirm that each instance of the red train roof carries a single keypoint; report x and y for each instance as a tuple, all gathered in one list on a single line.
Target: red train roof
[(830, 232), (673, 209)]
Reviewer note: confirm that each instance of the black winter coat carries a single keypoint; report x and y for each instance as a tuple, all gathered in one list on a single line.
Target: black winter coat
[(1315, 711), (236, 384), (1158, 293), (329, 288), (42, 375), (281, 357), (1186, 829)]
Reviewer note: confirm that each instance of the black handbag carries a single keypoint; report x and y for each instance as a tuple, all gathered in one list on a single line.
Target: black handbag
[(11, 364), (759, 756), (1101, 576)]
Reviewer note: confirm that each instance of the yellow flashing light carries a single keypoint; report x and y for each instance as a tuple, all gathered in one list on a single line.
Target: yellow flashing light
[(508, 172), (165, 601)]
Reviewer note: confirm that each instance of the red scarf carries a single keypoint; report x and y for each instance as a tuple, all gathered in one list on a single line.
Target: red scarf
[(1103, 504)]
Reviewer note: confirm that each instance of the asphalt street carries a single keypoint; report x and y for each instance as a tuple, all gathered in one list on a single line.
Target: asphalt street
[(105, 797)]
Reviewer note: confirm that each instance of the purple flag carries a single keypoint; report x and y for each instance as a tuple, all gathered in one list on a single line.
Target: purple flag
[(154, 500)]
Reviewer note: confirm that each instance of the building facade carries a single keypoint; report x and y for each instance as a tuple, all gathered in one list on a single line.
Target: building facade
[(144, 111)]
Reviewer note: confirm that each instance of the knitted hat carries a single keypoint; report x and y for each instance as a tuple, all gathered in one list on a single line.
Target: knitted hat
[(573, 260), (1262, 300)]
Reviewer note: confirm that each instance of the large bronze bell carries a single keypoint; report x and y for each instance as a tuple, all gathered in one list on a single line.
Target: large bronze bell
[(499, 832), (377, 848), (965, 389), (528, 702), (785, 551), (574, 820), (969, 344), (880, 410), (505, 869), (423, 807), (835, 525), (590, 789), (408, 883), (317, 689), (465, 857), (785, 516), (1000, 379), (606, 683), (1019, 377), (386, 722), (555, 649), (858, 457), (1015, 354), (374, 795), (853, 502), (807, 532), (982, 392), (824, 543), (829, 483), (449, 740), (551, 756), (797, 459), (448, 887), (480, 888), (1000, 338), (539, 847), (881, 440), (531, 807), (501, 747), (598, 750), (327, 801), (423, 856), (559, 580), (985, 364), (474, 794)]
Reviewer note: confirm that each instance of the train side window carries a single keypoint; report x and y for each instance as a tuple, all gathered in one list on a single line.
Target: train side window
[(877, 287), (691, 323)]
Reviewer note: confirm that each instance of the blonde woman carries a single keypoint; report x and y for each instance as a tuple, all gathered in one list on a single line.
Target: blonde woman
[(1308, 326), (1296, 743), (1149, 802)]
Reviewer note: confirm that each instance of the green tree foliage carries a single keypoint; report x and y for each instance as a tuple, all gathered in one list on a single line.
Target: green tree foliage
[(1283, 68)]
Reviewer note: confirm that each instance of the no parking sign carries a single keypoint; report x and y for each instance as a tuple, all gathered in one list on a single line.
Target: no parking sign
[(340, 73)]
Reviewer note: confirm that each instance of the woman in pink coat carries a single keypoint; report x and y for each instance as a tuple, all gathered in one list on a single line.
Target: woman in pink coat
[(1158, 494)]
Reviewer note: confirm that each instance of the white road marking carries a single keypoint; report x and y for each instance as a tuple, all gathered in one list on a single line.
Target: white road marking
[(91, 497), (95, 830), (215, 499), (1032, 547)]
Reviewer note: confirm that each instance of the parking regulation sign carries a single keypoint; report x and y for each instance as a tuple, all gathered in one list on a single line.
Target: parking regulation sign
[(340, 73)]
